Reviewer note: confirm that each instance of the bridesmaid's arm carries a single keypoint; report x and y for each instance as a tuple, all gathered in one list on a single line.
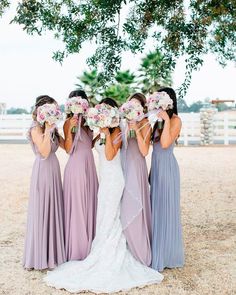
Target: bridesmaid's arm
[(111, 148), (171, 129), (42, 141), (68, 125), (143, 136)]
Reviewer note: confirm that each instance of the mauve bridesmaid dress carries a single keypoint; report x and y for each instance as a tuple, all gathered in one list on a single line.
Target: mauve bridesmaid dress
[(80, 196), (167, 242), (135, 204), (44, 243)]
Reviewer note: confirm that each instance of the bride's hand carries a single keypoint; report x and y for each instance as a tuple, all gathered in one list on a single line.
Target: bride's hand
[(104, 130)]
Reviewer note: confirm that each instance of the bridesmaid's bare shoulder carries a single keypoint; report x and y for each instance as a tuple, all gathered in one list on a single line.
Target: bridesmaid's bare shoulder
[(176, 120), (36, 130)]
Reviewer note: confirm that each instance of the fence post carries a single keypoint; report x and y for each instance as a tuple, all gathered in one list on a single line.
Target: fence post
[(192, 124), (185, 136), (226, 128), (24, 126)]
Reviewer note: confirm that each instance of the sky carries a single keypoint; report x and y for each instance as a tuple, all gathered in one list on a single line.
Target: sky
[(27, 69)]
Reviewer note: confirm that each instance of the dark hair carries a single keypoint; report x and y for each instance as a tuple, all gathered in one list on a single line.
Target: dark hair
[(111, 102), (78, 92), (141, 98), (172, 95), (40, 101)]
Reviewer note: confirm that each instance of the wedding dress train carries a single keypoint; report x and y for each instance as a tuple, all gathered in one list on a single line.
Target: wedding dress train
[(110, 267)]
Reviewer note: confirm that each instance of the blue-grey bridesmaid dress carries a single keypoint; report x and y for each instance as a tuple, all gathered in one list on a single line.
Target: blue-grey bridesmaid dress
[(167, 242)]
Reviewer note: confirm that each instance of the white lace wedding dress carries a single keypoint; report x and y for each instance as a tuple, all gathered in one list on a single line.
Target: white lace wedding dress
[(110, 267)]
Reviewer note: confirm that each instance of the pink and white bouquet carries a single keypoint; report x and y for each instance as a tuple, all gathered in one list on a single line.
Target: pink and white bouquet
[(49, 113), (132, 111), (76, 106), (102, 116), (156, 102)]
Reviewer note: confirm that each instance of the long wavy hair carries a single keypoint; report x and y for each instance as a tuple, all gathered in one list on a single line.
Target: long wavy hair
[(172, 95), (40, 101)]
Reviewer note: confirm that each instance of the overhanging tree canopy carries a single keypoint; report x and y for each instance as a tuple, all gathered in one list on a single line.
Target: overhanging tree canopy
[(205, 26), (3, 5)]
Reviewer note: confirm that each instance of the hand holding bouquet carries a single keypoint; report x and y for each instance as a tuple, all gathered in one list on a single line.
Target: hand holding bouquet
[(156, 102), (48, 113), (102, 116), (76, 106), (133, 112)]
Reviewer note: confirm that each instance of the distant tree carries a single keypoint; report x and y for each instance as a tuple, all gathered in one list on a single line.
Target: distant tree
[(182, 106), (62, 108), (196, 106), (222, 107), (17, 111)]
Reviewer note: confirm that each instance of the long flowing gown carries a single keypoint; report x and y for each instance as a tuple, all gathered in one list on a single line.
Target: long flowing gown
[(167, 242), (110, 267), (135, 204), (80, 196), (44, 242)]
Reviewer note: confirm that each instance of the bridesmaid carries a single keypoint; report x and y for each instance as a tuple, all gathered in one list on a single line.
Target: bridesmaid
[(135, 204), (44, 243), (167, 243), (80, 187)]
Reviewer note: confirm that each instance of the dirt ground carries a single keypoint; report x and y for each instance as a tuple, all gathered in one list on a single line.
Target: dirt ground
[(208, 200)]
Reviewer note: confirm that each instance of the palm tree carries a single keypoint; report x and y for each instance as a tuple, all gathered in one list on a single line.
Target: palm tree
[(119, 92), (90, 82), (125, 77), (154, 74), (124, 86)]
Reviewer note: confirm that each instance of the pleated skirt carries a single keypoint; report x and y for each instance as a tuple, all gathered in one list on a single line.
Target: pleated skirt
[(167, 241)]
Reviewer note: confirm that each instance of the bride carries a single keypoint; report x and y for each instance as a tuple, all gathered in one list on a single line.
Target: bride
[(110, 267)]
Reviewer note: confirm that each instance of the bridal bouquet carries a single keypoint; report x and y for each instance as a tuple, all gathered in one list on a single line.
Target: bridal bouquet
[(102, 116), (132, 111), (49, 113), (76, 105), (156, 102)]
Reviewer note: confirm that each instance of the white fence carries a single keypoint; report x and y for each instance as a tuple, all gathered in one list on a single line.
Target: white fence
[(14, 128), (224, 128)]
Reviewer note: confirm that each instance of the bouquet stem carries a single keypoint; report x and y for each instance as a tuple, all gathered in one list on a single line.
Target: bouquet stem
[(160, 124), (102, 138), (74, 129), (132, 133)]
